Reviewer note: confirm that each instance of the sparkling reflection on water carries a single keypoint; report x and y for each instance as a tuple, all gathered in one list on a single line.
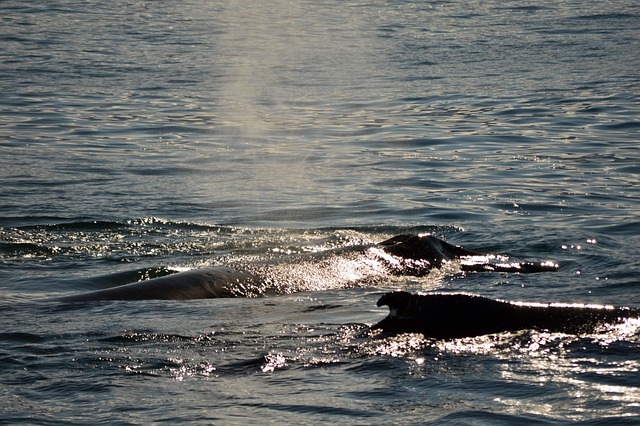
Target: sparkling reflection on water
[(139, 138)]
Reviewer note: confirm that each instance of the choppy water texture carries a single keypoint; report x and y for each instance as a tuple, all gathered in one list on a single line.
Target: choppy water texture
[(138, 138)]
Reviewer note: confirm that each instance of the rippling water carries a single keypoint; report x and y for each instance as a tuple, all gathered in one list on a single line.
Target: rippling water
[(139, 138)]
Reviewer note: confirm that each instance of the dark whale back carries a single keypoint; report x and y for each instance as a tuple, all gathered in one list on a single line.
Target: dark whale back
[(416, 255), (447, 316), (410, 255), (423, 252), (206, 283)]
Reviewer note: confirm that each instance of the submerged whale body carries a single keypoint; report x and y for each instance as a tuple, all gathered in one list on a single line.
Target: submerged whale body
[(450, 315), (405, 255), (205, 283)]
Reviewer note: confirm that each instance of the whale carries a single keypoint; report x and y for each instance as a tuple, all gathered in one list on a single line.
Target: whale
[(459, 315), (206, 283), (351, 266)]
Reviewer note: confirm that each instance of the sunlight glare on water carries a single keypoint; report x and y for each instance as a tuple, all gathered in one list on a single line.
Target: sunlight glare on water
[(138, 139)]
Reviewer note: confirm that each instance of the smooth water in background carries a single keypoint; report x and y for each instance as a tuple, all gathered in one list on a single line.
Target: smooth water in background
[(142, 137)]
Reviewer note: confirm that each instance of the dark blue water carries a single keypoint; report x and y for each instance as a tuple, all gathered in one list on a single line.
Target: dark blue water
[(138, 138)]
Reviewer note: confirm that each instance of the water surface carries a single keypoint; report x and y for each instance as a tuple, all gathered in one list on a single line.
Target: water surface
[(142, 138)]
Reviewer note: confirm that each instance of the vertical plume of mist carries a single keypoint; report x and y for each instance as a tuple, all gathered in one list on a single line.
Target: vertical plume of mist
[(289, 62), (289, 67), (260, 38)]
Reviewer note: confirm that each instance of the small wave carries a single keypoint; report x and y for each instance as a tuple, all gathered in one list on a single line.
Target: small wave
[(73, 225), (309, 409), (605, 17), (626, 126), (146, 337), (54, 224), (14, 249), (21, 338)]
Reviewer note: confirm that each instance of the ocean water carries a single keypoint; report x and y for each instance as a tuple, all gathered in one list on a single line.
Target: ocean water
[(142, 138)]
